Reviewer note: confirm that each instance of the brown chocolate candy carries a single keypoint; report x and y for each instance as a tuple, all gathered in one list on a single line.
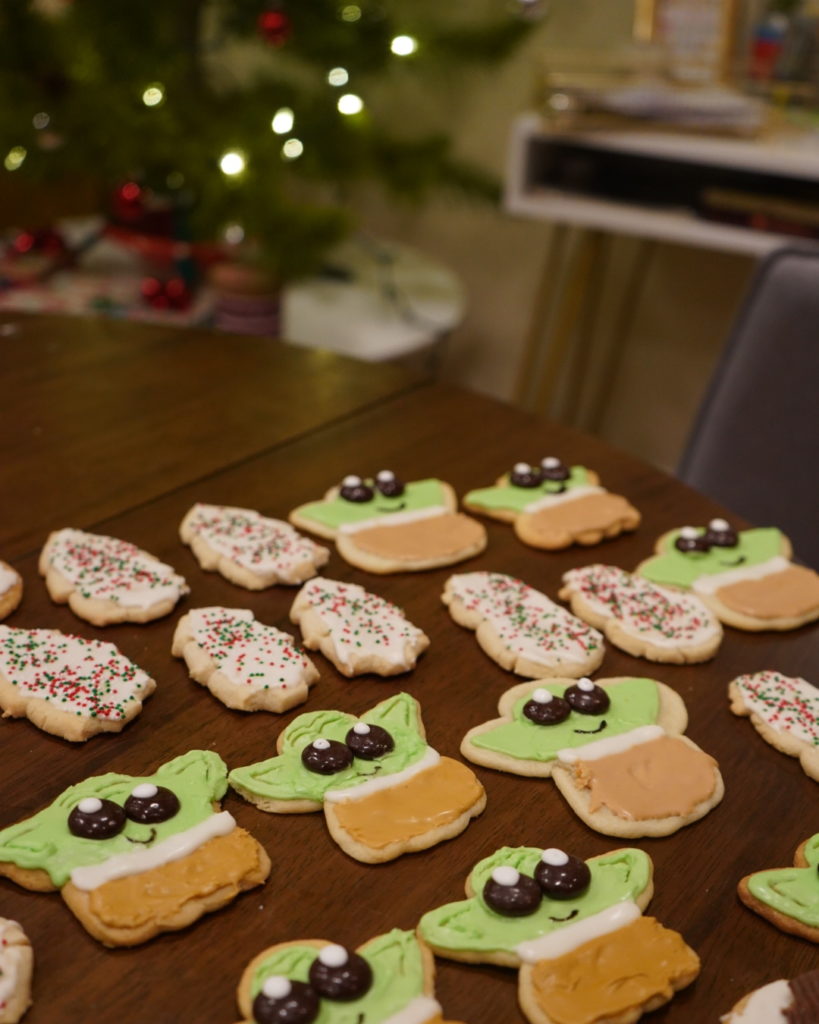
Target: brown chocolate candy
[(149, 804), (561, 876), (326, 757), (282, 1001), (511, 893), (587, 697), (95, 818), (369, 741)]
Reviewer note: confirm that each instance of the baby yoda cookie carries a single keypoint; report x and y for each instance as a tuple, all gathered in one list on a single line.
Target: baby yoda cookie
[(520, 628), (383, 525), (68, 686), (388, 980), (356, 630), (642, 618), (781, 1002), (746, 577), (245, 664), (11, 589), (250, 549), (784, 711), (553, 506), (104, 580), (614, 749), (16, 966), (788, 897), (134, 856), (574, 928), (383, 789)]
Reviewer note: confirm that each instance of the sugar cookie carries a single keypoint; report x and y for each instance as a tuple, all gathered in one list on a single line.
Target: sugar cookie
[(780, 1002), (11, 591), (16, 967), (788, 897)]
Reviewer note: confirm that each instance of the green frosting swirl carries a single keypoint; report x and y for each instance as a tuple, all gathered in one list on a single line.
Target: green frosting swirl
[(398, 977), (471, 926), (44, 841), (508, 498), (634, 702), (337, 512), (681, 568), (285, 777), (793, 892)]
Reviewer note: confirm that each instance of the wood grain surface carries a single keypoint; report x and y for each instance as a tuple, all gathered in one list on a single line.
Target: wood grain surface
[(314, 890)]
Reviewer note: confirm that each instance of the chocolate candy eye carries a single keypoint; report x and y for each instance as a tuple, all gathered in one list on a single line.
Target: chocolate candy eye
[(545, 709), (524, 475), (690, 539), (552, 468), (94, 818), (326, 757), (560, 876), (720, 534), (336, 973), (149, 804), (587, 697), (353, 488), (282, 1001), (389, 484), (369, 741), (512, 894)]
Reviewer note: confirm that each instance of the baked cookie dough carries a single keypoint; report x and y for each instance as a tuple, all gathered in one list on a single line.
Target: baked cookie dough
[(780, 1002), (16, 967), (788, 897), (11, 589)]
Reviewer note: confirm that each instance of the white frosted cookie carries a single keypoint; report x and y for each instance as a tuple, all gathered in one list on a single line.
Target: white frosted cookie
[(16, 966), (250, 549), (642, 618), (784, 711), (11, 589), (68, 686), (780, 1002), (105, 580), (356, 630), (245, 664), (520, 628)]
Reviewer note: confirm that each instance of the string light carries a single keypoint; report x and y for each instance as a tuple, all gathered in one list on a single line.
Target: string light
[(232, 163), (14, 158), (282, 122), (403, 46), (41, 120), (234, 234), (338, 76), (292, 149), (349, 103), (154, 94), (350, 12)]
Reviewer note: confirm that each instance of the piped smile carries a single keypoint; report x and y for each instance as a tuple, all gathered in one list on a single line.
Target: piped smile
[(591, 732), (143, 842), (574, 913), (397, 508), (736, 561)]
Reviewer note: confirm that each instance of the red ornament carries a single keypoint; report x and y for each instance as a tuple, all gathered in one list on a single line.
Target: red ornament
[(128, 203), (170, 294), (43, 240), (274, 27)]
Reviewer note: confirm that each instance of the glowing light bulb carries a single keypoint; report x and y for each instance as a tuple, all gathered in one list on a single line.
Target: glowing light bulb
[(41, 120), (349, 103), (154, 94), (14, 158), (403, 46), (282, 122), (350, 12), (232, 163), (338, 76), (234, 234), (292, 149)]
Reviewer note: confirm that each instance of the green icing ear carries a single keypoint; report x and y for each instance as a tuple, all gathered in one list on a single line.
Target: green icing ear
[(310, 726), (399, 714), (681, 569), (292, 961), (201, 769), (811, 851)]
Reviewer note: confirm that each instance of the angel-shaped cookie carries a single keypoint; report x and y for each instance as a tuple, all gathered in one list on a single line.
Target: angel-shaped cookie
[(745, 576), (388, 980), (134, 856), (575, 930), (383, 790), (553, 506), (788, 897), (614, 748), (384, 525)]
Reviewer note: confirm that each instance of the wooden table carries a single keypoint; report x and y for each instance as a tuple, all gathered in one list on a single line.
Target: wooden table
[(371, 418)]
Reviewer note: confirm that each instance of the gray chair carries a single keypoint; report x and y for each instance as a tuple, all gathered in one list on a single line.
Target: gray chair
[(754, 446)]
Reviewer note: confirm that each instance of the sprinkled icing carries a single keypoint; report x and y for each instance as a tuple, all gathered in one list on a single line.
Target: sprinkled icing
[(252, 540), (249, 653), (8, 578), (360, 623), (663, 617), (787, 705), (11, 957), (87, 678), (109, 569), (526, 621)]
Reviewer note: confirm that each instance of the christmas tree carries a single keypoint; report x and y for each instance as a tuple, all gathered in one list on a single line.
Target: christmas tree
[(236, 122)]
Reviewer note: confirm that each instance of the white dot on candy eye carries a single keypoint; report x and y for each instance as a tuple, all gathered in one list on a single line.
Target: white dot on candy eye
[(277, 987), (321, 744), (542, 696), (89, 805), (522, 467), (719, 524), (556, 858), (385, 474), (144, 791), (586, 685), (550, 462), (333, 956), (361, 728), (506, 875), (689, 532), (351, 481)]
